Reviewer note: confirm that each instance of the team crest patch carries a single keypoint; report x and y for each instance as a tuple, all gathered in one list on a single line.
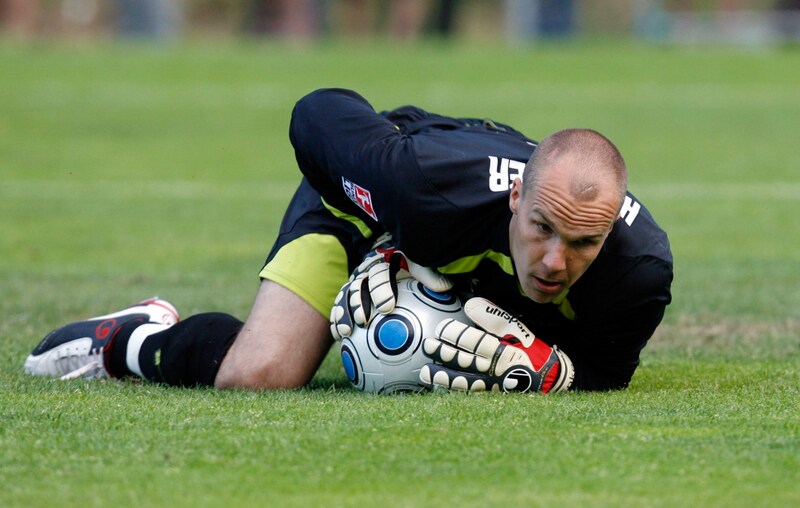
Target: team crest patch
[(360, 196)]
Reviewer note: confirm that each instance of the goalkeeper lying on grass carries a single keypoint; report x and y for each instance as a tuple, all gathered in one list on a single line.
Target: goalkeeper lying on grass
[(560, 250)]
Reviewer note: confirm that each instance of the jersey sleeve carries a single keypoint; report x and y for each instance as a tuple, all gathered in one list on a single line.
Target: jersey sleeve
[(357, 159), (417, 186), (339, 139)]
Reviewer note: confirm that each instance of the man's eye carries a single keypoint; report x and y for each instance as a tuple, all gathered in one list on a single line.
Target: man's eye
[(587, 242), (544, 228)]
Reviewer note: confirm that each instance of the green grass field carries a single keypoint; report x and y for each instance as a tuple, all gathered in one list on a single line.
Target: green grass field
[(129, 171)]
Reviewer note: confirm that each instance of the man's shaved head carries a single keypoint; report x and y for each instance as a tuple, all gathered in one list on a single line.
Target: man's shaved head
[(592, 159)]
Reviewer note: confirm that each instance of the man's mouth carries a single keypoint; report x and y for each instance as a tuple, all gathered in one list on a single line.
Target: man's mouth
[(547, 286)]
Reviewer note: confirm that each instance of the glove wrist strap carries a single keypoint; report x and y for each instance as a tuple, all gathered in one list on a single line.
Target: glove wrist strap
[(566, 372)]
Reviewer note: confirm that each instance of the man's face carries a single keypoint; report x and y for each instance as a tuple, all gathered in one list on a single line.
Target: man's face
[(554, 235)]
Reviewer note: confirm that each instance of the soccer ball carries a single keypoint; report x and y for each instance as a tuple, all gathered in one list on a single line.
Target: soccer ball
[(386, 356)]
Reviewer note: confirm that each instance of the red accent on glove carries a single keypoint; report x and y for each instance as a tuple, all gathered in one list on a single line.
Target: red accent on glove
[(390, 252), (539, 353), (386, 252)]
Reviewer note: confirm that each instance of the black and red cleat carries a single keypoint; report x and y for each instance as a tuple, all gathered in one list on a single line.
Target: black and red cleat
[(77, 349)]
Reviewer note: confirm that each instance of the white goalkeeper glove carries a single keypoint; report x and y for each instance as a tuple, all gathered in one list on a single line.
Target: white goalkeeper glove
[(373, 286), (501, 355)]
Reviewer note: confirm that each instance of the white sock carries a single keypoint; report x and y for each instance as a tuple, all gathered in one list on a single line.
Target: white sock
[(135, 342)]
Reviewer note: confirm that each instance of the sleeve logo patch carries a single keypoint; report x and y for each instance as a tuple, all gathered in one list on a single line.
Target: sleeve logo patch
[(360, 196)]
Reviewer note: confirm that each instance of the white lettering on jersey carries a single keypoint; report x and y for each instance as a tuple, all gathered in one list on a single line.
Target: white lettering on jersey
[(360, 196), (630, 209), (503, 172)]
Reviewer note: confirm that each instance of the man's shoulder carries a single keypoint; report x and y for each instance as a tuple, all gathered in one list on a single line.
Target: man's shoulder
[(459, 187), (636, 234), (634, 266), (470, 168)]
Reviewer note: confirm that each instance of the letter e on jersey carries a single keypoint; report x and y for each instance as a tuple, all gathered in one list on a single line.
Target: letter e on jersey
[(503, 172)]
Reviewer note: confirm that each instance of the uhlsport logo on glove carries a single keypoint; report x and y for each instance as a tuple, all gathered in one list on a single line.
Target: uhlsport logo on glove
[(527, 337)]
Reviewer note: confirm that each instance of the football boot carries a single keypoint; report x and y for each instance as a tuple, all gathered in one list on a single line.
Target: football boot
[(78, 349)]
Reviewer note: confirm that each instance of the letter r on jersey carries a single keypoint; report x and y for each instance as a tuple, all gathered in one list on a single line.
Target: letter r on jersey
[(503, 172)]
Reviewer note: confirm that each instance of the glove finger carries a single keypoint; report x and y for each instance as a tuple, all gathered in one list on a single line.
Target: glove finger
[(341, 325), (341, 319), (433, 376), (383, 242), (359, 303), (437, 351), (468, 338), (382, 290), (496, 321), (370, 259), (446, 354), (429, 277)]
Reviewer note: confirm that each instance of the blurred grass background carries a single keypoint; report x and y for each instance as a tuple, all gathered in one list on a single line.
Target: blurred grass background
[(133, 169)]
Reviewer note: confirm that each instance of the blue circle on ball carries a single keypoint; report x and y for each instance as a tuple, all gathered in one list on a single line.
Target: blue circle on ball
[(435, 295), (393, 334), (349, 366)]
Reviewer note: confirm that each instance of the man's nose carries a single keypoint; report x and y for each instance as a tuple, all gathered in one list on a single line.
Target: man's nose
[(555, 259)]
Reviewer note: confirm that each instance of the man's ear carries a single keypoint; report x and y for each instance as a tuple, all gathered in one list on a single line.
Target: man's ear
[(515, 196)]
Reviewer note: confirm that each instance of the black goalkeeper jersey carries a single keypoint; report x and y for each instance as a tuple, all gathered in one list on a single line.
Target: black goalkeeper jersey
[(440, 186)]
